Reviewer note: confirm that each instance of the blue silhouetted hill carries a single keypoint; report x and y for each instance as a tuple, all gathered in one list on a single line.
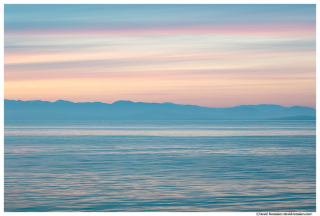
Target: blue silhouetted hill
[(128, 110)]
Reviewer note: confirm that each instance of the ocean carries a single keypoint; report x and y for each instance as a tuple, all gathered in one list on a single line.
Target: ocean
[(163, 166)]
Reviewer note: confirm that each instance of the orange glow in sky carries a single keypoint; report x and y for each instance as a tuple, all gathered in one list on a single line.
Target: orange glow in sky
[(207, 58)]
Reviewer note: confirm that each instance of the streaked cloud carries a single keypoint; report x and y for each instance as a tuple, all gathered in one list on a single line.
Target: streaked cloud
[(203, 54)]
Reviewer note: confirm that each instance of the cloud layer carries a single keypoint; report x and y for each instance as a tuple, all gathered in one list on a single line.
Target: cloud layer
[(210, 55)]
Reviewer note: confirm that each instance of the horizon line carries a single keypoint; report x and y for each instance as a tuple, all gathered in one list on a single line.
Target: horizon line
[(156, 103)]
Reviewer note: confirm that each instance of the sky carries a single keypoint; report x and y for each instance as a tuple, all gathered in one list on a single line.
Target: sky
[(207, 55)]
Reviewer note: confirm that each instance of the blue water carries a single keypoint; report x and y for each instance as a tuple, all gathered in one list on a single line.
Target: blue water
[(160, 166)]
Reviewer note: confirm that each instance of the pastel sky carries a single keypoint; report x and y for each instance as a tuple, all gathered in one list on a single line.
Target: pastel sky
[(208, 55)]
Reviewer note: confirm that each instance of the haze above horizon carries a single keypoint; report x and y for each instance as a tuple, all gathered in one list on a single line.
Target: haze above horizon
[(205, 55)]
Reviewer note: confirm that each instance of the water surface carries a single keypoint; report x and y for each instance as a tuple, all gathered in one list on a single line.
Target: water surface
[(160, 166)]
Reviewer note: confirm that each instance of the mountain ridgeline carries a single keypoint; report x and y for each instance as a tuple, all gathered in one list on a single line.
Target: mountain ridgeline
[(128, 110)]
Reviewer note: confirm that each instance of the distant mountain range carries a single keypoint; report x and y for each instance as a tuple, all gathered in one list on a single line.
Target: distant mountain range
[(128, 110)]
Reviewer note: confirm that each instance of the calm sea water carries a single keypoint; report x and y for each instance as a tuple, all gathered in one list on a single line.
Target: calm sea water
[(160, 166)]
